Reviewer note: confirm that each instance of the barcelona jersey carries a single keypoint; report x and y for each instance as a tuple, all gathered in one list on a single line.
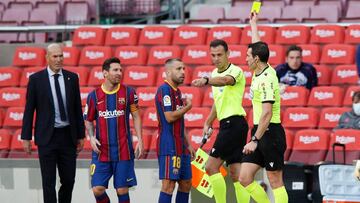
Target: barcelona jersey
[(111, 110), (171, 140)]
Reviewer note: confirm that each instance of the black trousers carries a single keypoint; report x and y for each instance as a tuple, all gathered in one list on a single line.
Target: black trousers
[(60, 153)]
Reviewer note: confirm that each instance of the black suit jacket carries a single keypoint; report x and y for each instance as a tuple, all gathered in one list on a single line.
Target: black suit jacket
[(39, 99)]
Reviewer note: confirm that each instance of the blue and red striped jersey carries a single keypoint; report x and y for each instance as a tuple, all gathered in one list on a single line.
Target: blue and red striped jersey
[(111, 110), (171, 140)]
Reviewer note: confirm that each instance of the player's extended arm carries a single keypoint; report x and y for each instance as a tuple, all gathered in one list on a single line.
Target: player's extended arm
[(93, 141), (255, 37), (264, 119), (172, 116), (221, 81), (137, 125)]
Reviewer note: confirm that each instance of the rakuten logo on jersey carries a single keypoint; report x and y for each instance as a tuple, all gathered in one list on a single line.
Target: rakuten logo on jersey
[(346, 73), (309, 139), (153, 34), (336, 53), (27, 55), (298, 117), (120, 35), (290, 33), (355, 33), (152, 116), (16, 116), (128, 54), (5, 76), (86, 34), (146, 96), (10, 96), (138, 75), (197, 54), (193, 116), (306, 52), (325, 33), (289, 95), (345, 139), (331, 117), (204, 74), (221, 34), (188, 34), (99, 75), (94, 54), (162, 54), (261, 33), (111, 114), (323, 95), (234, 54)]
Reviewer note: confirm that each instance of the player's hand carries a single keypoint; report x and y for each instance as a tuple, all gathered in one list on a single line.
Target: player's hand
[(200, 82), (27, 146), (253, 18), (94, 144), (139, 150), (282, 87), (206, 130), (250, 147), (192, 152), (80, 145)]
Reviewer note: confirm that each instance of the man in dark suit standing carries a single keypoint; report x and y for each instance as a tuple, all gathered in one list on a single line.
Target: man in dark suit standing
[(54, 94)]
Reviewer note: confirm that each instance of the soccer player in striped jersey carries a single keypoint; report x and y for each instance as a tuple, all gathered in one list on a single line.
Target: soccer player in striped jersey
[(113, 154), (173, 146)]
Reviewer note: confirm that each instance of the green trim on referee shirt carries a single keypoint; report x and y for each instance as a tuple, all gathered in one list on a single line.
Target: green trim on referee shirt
[(228, 99)]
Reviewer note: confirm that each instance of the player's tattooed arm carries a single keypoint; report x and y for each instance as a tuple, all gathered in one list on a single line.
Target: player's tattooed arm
[(93, 141), (172, 116), (139, 149)]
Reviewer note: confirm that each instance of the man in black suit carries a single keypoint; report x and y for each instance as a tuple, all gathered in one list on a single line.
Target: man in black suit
[(54, 94)]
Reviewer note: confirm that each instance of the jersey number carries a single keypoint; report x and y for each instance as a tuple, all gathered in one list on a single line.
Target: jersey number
[(176, 161)]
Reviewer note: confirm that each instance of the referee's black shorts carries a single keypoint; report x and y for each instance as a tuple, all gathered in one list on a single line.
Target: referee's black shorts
[(231, 139), (270, 150)]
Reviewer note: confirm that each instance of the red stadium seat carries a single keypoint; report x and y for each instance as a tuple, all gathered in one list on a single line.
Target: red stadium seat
[(159, 54), (277, 54), (140, 76), (248, 74), (17, 149), (294, 96), (349, 94), (155, 35), (300, 117), (338, 54), (116, 36), (131, 55), (326, 96), (5, 140), (82, 72), (352, 34), (89, 36), (351, 139), (345, 74), (194, 93), (237, 54), (230, 34), (310, 146), (13, 117), (250, 118), (96, 77), (247, 102), (84, 92), (327, 34), (94, 55), (146, 96), (293, 34), (197, 55), (196, 117), (289, 143), (71, 56), (26, 74), (149, 142), (196, 136), (208, 99), (9, 76), (310, 53), (324, 74), (329, 117), (189, 35), (161, 76), (150, 117), (267, 34), (29, 56), (202, 71), (12, 97)]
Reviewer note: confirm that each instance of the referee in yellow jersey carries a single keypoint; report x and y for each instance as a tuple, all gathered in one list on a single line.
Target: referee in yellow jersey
[(267, 146), (228, 85)]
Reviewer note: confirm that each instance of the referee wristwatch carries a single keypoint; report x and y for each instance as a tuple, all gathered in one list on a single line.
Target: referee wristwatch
[(255, 139)]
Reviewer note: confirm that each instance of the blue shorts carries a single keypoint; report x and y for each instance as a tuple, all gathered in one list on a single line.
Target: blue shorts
[(123, 172), (174, 167)]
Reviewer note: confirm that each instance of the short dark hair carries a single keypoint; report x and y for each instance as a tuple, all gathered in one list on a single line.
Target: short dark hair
[(107, 62), (219, 42), (260, 49), (293, 48), (356, 95), (171, 60)]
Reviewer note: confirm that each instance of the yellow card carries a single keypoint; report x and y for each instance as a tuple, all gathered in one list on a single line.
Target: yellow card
[(256, 7)]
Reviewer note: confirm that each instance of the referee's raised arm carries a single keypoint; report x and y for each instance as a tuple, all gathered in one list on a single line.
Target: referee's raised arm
[(255, 37)]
